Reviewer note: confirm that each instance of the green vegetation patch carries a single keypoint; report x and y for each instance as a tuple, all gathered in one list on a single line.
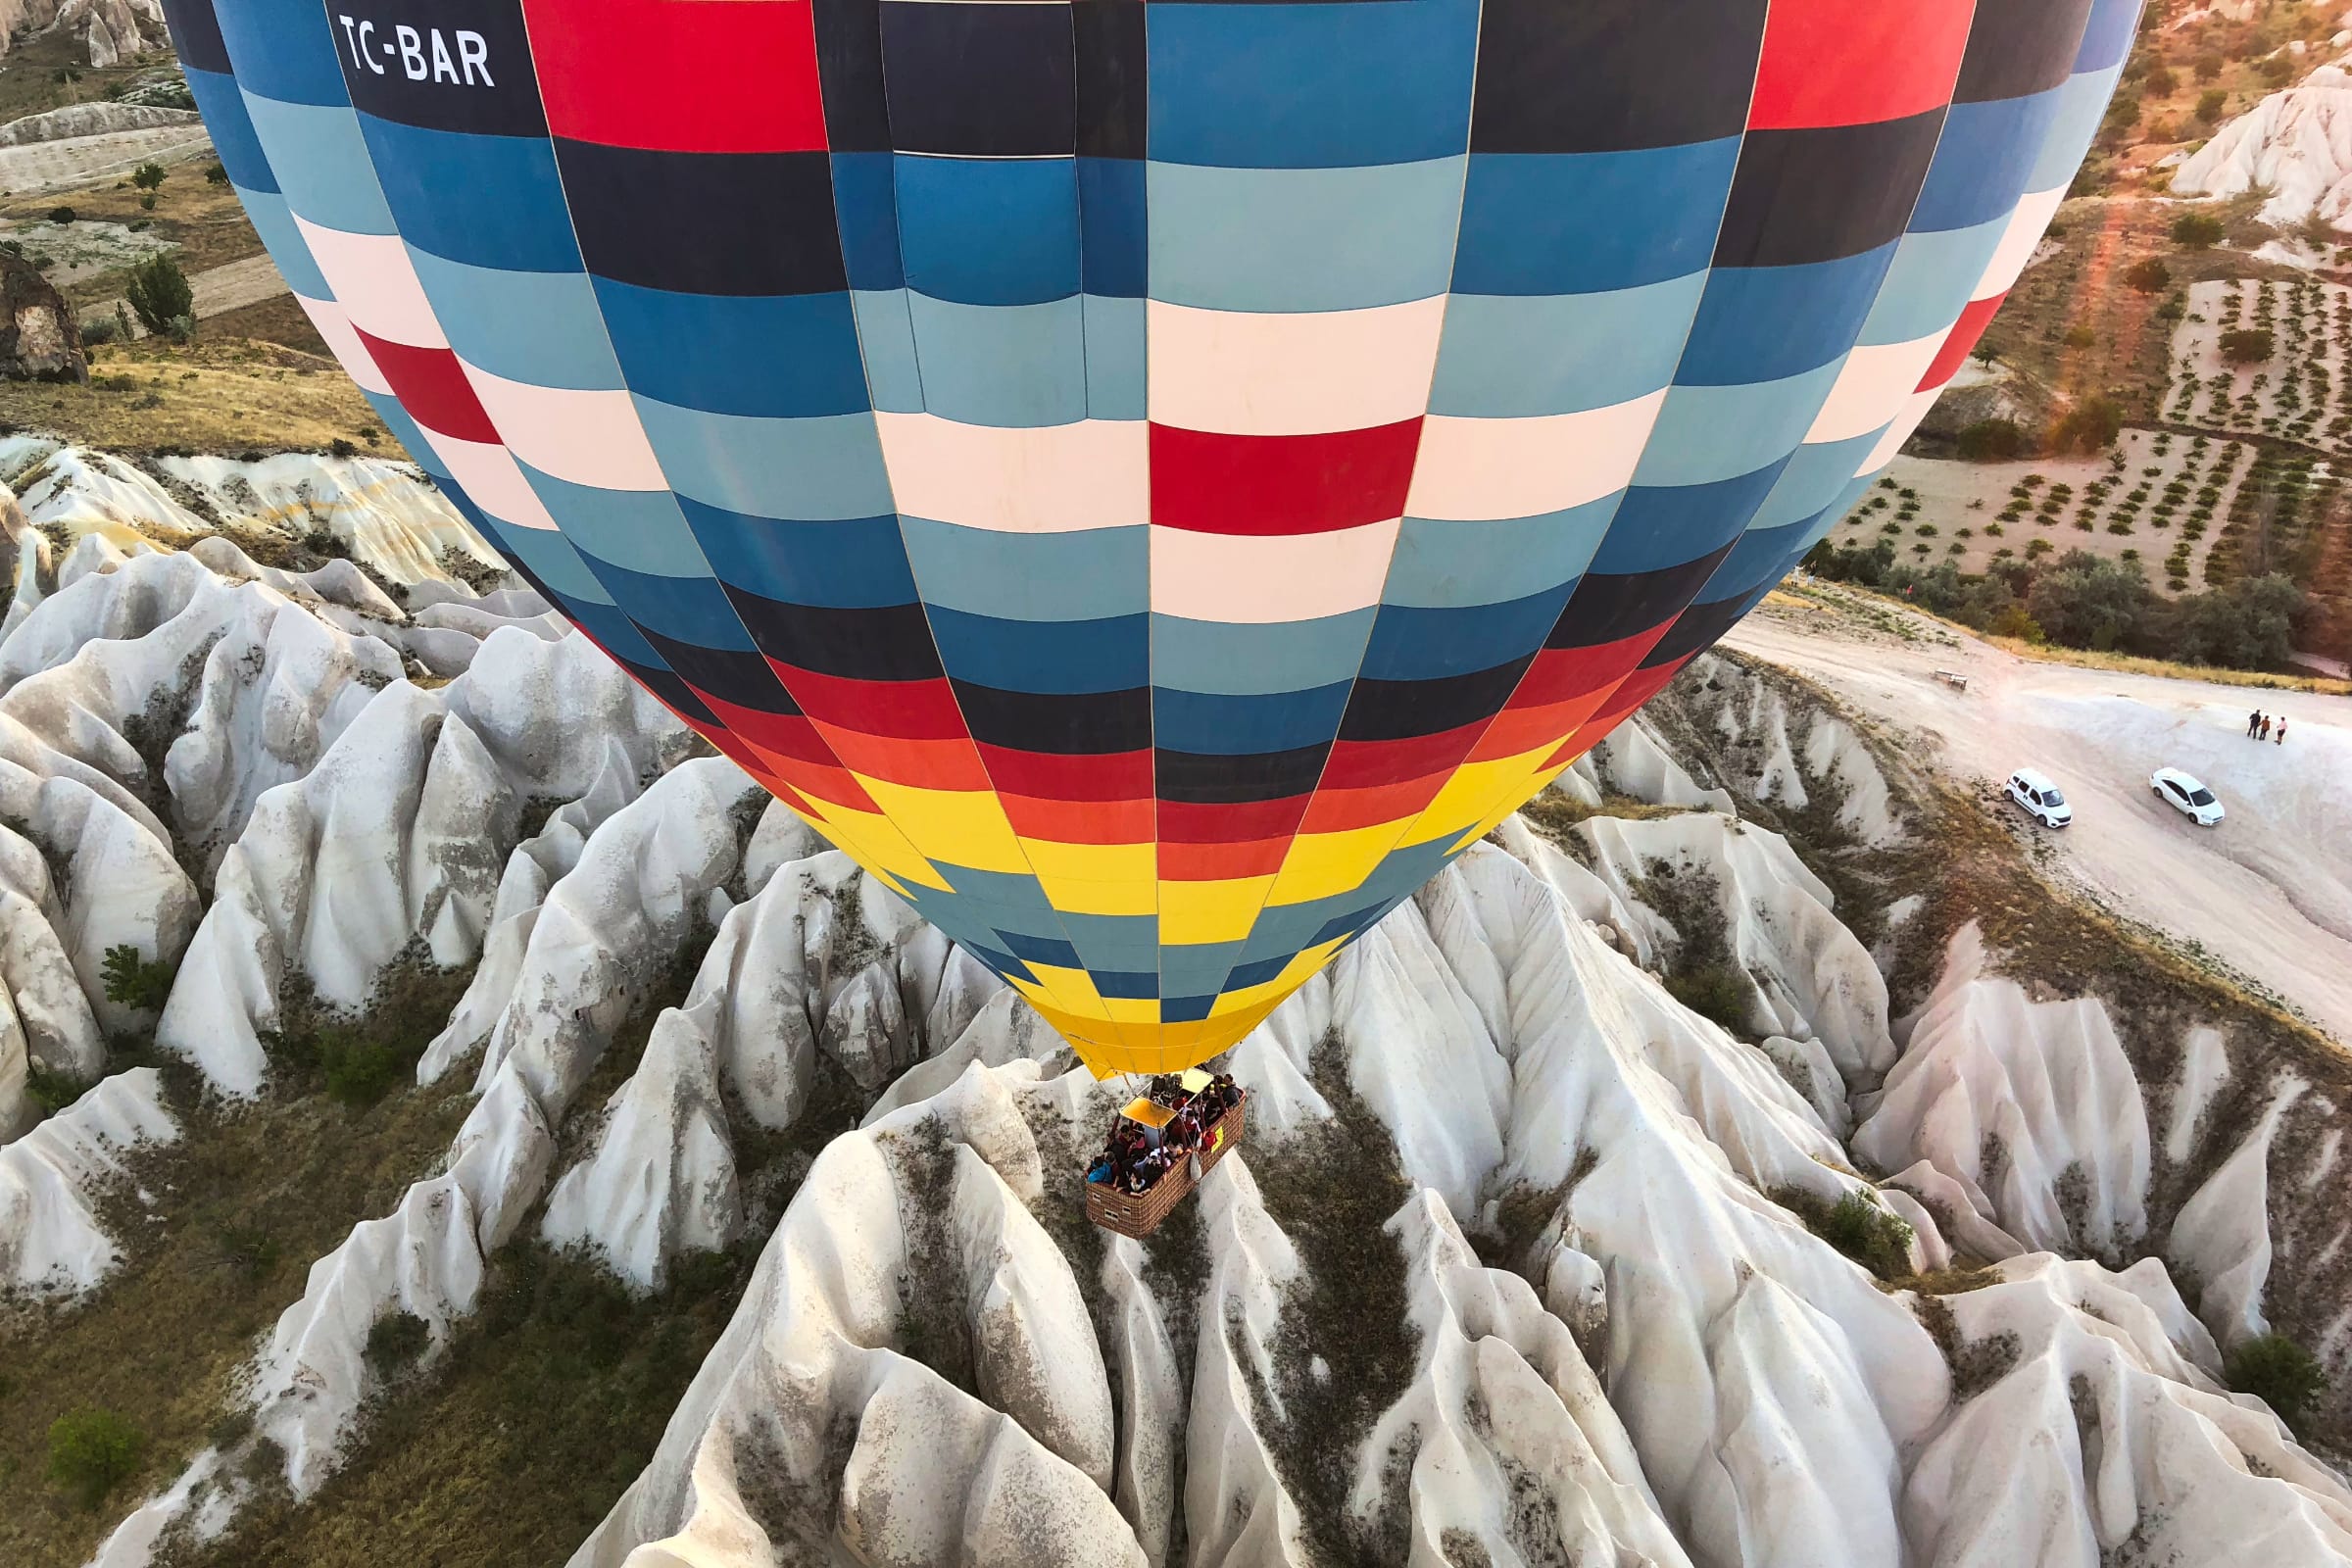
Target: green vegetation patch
[(1858, 1226), (1975, 1364), (507, 1447), (1345, 1350), (134, 981), (236, 1211), (2281, 1373), (1701, 972), (2079, 600), (91, 1452), (357, 1058)]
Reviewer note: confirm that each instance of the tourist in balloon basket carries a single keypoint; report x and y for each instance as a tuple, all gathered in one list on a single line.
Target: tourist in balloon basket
[(1136, 1156)]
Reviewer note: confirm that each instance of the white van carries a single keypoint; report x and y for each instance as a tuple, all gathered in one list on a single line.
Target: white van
[(2040, 797)]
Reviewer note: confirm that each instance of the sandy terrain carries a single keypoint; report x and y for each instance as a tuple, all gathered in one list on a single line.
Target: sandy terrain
[(2312, 329), (2268, 892), (237, 286), (70, 254), (60, 164), (1972, 496)]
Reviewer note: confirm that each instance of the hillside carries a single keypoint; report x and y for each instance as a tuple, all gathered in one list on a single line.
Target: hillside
[(2164, 388), (1749, 1157)]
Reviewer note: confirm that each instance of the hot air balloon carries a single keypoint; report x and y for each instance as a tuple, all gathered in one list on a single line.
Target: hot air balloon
[(1153, 481)]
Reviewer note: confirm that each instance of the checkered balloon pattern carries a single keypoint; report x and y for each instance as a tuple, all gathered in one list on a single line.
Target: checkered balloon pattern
[(1152, 479)]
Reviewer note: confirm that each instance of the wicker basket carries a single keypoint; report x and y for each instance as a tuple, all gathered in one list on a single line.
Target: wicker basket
[(1137, 1214)]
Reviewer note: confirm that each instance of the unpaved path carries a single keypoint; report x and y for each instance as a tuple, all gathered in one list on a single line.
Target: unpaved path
[(2268, 892), (236, 284)]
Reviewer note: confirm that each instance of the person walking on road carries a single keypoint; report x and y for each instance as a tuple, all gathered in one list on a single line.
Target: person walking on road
[(2264, 733), (2253, 720), (2282, 729)]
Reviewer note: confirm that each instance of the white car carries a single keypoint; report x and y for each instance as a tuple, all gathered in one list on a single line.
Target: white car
[(2040, 797), (2186, 795)]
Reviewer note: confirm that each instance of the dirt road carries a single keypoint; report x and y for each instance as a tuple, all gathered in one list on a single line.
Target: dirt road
[(2268, 892), (235, 286)]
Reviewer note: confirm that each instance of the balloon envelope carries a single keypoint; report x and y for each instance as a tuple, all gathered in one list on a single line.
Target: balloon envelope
[(1153, 481)]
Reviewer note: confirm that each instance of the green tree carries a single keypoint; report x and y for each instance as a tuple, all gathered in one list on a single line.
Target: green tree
[(2091, 425), (395, 1343), (2016, 622), (133, 982), (149, 176), (2159, 81), (2245, 624), (2150, 276), (2083, 602), (2196, 231), (160, 294), (1991, 441), (2122, 112), (52, 1092), (2280, 1372), (92, 1451), (2248, 345), (2209, 104), (2208, 67)]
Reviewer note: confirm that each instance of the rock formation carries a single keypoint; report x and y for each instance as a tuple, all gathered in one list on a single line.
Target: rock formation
[(40, 340)]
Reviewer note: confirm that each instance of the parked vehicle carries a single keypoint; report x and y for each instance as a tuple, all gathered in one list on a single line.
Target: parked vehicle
[(2040, 797), (2186, 795)]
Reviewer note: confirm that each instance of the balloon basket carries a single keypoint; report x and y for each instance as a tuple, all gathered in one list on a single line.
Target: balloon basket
[(1139, 1214)]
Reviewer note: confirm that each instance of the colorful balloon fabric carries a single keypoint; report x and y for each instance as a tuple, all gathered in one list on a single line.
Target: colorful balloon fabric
[(1154, 481)]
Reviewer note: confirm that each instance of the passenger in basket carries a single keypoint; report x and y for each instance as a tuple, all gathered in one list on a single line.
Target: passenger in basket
[(1149, 1171), (1126, 1147)]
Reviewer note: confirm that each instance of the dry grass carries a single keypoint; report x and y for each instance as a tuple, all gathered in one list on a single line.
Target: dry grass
[(204, 221), (1856, 603), (1555, 814), (279, 321), (1954, 1281), (1864, 610), (1333, 1186), (508, 1444), (507, 1450), (242, 1205), (211, 396), (29, 81), (2130, 665)]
